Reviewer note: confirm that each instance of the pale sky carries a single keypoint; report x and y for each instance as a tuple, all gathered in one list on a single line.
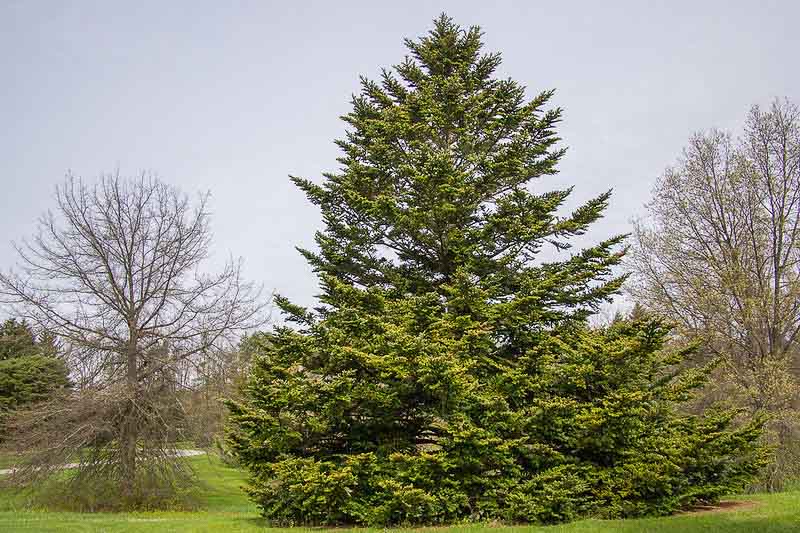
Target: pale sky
[(232, 97)]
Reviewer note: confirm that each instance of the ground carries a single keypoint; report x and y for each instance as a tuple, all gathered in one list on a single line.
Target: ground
[(228, 509)]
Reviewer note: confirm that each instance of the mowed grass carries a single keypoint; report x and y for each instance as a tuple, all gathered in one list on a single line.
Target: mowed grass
[(228, 509)]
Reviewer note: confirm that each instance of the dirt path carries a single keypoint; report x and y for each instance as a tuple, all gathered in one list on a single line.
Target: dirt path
[(734, 505)]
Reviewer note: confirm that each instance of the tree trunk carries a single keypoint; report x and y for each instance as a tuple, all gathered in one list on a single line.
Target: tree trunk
[(130, 430)]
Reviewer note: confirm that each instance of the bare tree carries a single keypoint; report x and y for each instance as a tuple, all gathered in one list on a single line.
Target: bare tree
[(115, 273), (720, 255)]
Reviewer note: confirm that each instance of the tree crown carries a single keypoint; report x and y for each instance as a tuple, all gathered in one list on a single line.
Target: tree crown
[(435, 184)]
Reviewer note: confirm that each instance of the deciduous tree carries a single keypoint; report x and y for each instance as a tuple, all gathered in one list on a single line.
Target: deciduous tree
[(116, 272), (719, 255)]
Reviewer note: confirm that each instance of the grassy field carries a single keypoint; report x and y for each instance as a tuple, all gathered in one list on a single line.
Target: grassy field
[(228, 509)]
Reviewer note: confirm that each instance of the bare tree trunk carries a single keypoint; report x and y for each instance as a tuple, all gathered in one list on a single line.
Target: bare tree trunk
[(129, 433)]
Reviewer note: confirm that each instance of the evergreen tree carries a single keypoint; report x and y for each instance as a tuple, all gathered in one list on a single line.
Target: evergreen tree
[(29, 368), (16, 340), (448, 372)]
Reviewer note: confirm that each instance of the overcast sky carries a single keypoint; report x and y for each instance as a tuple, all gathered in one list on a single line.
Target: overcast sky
[(232, 97)]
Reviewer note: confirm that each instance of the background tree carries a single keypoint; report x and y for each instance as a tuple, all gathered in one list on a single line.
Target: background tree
[(720, 256), (18, 340), (30, 370), (220, 375), (448, 372), (115, 273)]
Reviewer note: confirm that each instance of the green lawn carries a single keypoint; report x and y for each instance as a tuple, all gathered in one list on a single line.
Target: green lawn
[(228, 509)]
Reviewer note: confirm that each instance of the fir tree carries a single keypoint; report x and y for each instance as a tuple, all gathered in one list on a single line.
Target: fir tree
[(30, 370), (17, 340), (448, 372)]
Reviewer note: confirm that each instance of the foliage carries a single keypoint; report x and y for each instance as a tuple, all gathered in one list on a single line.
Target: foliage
[(29, 369), (30, 379), (449, 373), (17, 340)]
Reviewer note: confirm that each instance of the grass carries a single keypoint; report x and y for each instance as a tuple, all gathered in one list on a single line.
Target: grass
[(228, 509)]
